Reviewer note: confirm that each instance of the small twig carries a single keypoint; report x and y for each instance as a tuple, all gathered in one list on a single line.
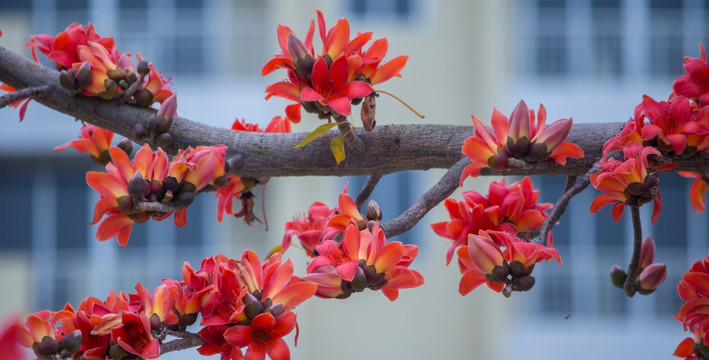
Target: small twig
[(572, 188), (367, 190), (31, 92), (439, 192), (354, 143), (263, 206), (629, 285), (185, 340)]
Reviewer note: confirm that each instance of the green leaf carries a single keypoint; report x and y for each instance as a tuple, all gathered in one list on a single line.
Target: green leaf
[(338, 148), (318, 132)]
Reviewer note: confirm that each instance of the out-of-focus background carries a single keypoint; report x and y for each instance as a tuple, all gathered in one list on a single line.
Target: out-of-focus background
[(590, 59)]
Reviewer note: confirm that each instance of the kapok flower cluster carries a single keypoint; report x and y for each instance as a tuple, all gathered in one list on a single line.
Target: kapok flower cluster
[(243, 304), (350, 251), (694, 313), (341, 75), (512, 209), (676, 128), (521, 137), (91, 64), (152, 178)]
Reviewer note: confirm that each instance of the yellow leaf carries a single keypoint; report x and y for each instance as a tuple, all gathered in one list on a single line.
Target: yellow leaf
[(338, 149), (318, 132)]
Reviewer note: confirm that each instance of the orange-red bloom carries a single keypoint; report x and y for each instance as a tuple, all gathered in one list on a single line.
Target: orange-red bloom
[(694, 314), (133, 334), (695, 83), (512, 209), (521, 137), (364, 259), (92, 140), (12, 333), (331, 88), (310, 230), (63, 48), (674, 126), (263, 336), (482, 260), (627, 182)]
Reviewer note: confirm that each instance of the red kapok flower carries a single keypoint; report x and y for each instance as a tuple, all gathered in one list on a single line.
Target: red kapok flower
[(674, 127), (263, 336), (309, 230), (134, 336), (519, 136), (627, 182), (12, 333), (7, 88), (512, 209), (695, 83), (63, 48), (94, 141), (483, 261), (331, 88), (364, 259)]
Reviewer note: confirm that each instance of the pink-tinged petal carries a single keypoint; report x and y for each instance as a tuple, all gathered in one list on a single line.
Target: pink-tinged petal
[(280, 277), (697, 192), (678, 142), (180, 218), (348, 206), (340, 105), (23, 109), (284, 89), (389, 256), (358, 89), (347, 270), (500, 125), (471, 170), (122, 162), (308, 94), (106, 185), (519, 125), (294, 294), (482, 132)]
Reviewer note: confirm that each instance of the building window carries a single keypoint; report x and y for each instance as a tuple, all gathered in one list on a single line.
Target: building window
[(378, 9)]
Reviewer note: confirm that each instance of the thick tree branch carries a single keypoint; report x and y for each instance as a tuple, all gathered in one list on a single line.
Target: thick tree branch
[(387, 149), (443, 189), (184, 341)]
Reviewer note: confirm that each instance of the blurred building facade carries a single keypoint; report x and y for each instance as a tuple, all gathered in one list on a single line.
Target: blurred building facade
[(590, 59)]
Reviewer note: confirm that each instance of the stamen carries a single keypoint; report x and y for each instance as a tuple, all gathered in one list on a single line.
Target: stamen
[(402, 102)]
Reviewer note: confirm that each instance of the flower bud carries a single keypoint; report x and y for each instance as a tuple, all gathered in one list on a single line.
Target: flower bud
[(137, 187), (167, 111), (143, 97), (185, 198), (499, 274), (187, 319), (525, 283), (275, 309), (485, 253), (46, 348), (83, 76), (647, 252), (67, 80), (126, 145), (164, 140), (111, 90), (253, 309), (618, 276), (517, 269), (139, 131), (116, 74), (116, 352), (143, 68), (70, 344), (126, 64), (650, 278), (125, 204), (519, 125), (374, 212), (359, 283)]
